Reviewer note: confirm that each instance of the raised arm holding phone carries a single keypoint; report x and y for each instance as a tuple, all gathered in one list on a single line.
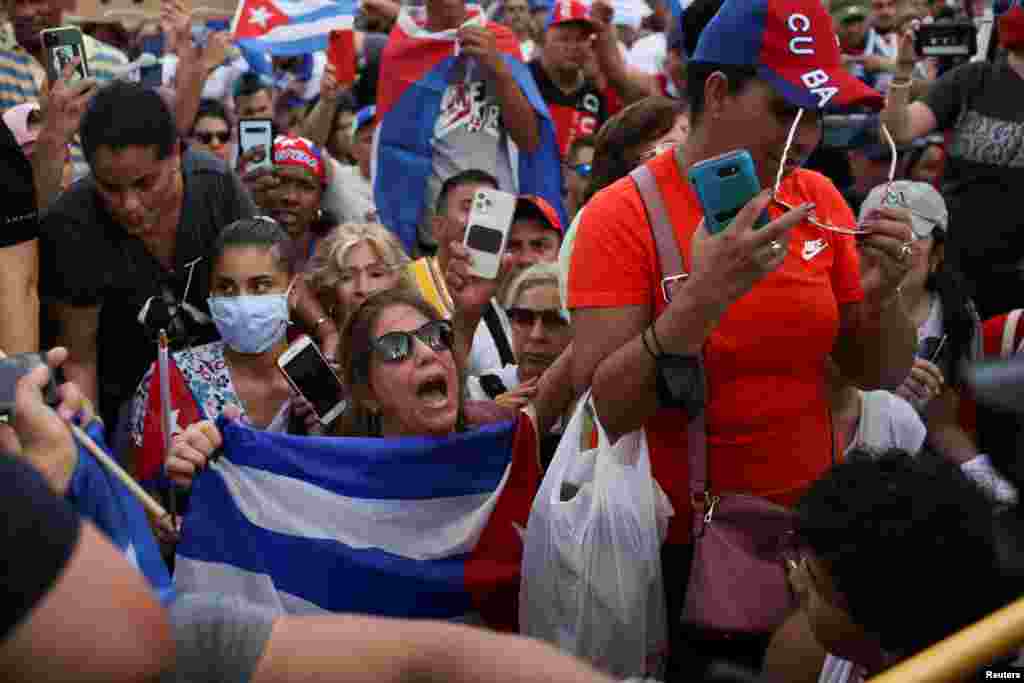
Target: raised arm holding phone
[(973, 101)]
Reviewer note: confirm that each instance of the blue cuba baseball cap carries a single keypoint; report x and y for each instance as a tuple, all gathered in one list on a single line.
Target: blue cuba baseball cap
[(791, 44)]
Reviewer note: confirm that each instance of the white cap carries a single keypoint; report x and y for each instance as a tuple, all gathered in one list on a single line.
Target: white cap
[(927, 207)]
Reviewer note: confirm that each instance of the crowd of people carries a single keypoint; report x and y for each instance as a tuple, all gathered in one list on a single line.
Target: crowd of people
[(812, 354)]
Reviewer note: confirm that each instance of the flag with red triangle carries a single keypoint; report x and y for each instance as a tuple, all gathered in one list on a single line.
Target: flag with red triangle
[(184, 412)]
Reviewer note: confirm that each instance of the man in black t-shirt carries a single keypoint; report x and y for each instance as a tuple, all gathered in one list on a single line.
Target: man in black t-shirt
[(125, 251), (577, 106)]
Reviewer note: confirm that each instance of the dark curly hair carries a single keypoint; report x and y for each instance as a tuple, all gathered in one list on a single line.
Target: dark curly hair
[(883, 525)]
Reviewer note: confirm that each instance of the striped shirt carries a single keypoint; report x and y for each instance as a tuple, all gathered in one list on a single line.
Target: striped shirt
[(22, 79)]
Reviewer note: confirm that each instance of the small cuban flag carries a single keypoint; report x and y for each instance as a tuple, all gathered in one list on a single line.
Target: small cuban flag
[(289, 27)]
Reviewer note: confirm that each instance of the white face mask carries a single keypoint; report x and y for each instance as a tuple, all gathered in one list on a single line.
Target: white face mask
[(251, 323)]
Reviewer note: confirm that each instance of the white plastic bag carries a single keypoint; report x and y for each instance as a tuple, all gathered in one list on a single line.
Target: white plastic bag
[(591, 578)]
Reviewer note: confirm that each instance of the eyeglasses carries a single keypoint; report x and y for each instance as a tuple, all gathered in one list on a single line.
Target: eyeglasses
[(812, 219), (206, 137), (582, 170), (395, 347), (654, 151), (527, 317)]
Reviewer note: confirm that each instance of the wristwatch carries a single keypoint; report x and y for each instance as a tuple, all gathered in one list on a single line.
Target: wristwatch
[(681, 382), (680, 379)]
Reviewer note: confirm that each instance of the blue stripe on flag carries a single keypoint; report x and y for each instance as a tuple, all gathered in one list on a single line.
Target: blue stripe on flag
[(344, 8), (414, 468), (329, 574)]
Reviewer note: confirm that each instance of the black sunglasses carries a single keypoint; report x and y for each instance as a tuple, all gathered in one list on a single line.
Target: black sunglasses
[(395, 347), (550, 317), (207, 137)]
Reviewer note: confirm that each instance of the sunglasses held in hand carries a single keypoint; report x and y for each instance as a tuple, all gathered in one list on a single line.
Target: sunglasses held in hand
[(812, 219)]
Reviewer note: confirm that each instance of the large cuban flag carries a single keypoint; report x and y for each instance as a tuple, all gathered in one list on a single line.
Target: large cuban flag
[(419, 86), (289, 27), (411, 527)]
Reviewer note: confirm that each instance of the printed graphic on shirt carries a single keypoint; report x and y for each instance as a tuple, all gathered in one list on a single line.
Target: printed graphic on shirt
[(988, 140), (574, 115), (467, 106)]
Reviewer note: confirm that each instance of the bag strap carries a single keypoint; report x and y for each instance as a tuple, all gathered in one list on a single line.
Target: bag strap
[(498, 334), (670, 261), (1010, 332)]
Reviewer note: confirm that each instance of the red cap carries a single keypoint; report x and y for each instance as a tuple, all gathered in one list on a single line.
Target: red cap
[(295, 151), (532, 206), (567, 11), (792, 45)]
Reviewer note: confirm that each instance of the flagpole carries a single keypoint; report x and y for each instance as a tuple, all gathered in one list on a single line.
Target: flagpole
[(165, 411), (152, 507)]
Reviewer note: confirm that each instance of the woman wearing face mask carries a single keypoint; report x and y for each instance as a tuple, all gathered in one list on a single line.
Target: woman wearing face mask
[(291, 193), (249, 291)]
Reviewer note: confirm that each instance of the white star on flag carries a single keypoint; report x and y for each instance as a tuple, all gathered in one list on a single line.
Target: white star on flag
[(260, 16), (175, 427)]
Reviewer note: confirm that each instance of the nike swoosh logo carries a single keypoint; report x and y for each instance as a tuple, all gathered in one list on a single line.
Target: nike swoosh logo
[(812, 249)]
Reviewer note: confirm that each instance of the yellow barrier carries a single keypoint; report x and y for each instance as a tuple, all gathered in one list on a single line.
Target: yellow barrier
[(961, 655)]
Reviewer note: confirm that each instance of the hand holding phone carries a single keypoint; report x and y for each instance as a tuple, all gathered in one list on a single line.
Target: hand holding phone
[(490, 219), (725, 184), (255, 135), (341, 54), (62, 46), (309, 374)]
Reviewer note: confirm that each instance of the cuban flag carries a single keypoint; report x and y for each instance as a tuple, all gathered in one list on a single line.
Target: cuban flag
[(288, 27), (417, 68), (100, 497), (415, 527)]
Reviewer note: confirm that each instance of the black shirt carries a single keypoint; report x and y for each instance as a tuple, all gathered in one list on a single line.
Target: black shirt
[(575, 115), (87, 259), (982, 103), (18, 213), (38, 533)]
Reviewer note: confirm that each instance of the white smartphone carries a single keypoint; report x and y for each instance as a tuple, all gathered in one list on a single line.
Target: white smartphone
[(308, 372), (256, 133), (490, 218), (62, 45)]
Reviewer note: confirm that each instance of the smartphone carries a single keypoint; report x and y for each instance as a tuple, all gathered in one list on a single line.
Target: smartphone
[(308, 372), (724, 184), (490, 219), (12, 369), (931, 348), (62, 45), (947, 39), (341, 54), (256, 133)]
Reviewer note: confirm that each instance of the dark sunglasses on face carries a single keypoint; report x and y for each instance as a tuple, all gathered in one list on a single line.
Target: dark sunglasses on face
[(206, 137), (395, 347), (550, 317)]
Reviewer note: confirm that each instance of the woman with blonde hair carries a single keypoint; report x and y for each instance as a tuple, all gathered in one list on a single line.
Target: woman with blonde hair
[(354, 261)]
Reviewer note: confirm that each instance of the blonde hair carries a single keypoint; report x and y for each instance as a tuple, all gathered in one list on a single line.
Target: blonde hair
[(329, 260), (537, 275)]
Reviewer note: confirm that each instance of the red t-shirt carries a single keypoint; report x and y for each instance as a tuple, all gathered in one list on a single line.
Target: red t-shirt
[(768, 423)]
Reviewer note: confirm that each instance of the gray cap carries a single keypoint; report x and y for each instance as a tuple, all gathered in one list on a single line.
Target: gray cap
[(927, 207)]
